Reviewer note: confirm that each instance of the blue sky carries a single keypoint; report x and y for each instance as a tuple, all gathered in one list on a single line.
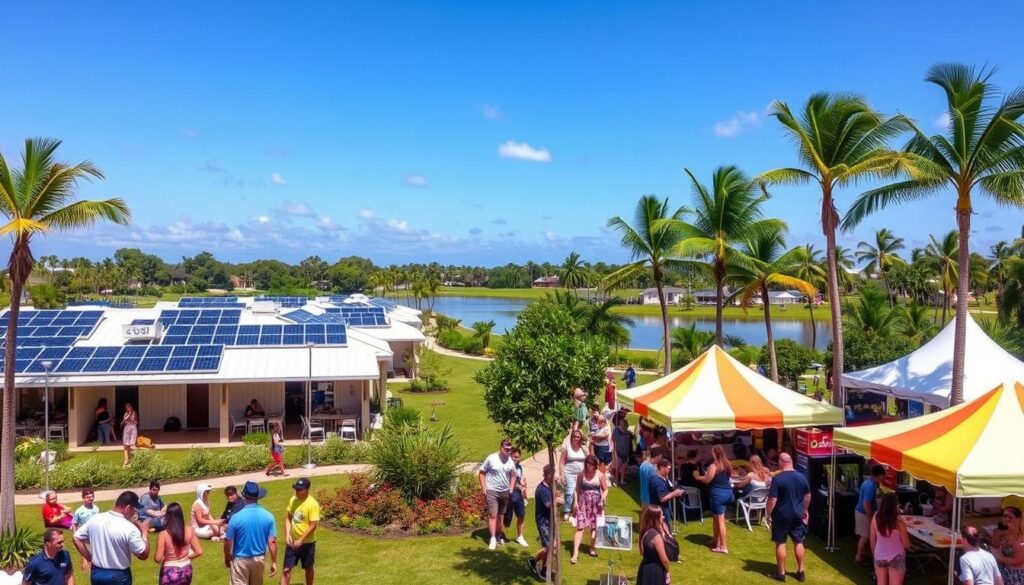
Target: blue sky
[(461, 132)]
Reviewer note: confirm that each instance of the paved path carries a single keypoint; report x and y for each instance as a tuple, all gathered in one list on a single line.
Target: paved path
[(431, 344)]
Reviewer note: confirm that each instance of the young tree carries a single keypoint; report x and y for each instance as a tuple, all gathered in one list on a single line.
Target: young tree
[(527, 386)]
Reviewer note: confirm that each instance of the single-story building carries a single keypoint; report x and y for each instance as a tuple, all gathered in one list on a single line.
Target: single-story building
[(710, 296), (547, 282), (673, 295)]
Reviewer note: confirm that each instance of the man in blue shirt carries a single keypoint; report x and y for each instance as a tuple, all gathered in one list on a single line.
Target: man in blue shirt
[(629, 376), (250, 535), (789, 499), (663, 492), (865, 511), (545, 498), (647, 470), (52, 566)]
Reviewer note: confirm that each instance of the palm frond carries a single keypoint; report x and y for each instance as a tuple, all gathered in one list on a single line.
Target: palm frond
[(85, 213)]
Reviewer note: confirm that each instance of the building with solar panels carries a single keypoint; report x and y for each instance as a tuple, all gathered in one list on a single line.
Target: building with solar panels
[(202, 360)]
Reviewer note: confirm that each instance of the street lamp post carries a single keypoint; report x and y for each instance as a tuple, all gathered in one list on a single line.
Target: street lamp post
[(309, 413), (47, 364)]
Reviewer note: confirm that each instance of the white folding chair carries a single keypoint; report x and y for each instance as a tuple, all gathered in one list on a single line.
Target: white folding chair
[(57, 432), (755, 501), (235, 425), (256, 424), (311, 430), (691, 501), (348, 430)]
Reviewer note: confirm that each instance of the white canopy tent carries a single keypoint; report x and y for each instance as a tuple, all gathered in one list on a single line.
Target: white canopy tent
[(926, 374)]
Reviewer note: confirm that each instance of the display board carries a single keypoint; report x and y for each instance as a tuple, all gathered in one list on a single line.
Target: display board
[(616, 534)]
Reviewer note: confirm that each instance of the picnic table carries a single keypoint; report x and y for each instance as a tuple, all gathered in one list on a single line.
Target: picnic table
[(932, 542)]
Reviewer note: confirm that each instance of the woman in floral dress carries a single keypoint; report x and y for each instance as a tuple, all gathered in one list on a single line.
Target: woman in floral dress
[(588, 505)]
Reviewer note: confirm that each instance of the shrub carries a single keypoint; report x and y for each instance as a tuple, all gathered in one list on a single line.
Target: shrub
[(83, 472), (445, 323), (451, 339), (421, 463), (17, 547), (27, 475), (30, 448), (402, 416), (473, 345), (646, 362), (256, 438), (793, 359), (333, 451)]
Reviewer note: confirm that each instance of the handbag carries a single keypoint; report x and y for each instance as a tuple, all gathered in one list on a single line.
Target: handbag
[(671, 547)]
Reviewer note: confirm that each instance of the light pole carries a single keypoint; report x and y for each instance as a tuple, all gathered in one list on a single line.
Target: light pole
[(309, 413), (47, 364)]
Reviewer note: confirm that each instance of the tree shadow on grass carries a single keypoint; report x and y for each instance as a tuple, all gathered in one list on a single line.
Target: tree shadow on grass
[(504, 566)]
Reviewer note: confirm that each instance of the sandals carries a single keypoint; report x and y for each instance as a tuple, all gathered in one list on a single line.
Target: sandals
[(572, 561), (593, 553)]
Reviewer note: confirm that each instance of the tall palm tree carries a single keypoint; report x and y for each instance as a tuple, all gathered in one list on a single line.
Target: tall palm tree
[(872, 313), (723, 216), (770, 264), (36, 199), (603, 322), (655, 231), (810, 270), (840, 139), (982, 148), (916, 323), (573, 272), (943, 258), (1001, 254), (881, 256)]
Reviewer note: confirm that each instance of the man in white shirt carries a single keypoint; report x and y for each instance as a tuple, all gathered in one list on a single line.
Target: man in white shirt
[(497, 480), (108, 541), (977, 567)]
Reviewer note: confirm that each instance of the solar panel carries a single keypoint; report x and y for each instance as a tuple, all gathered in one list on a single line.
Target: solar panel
[(209, 302), (207, 363), (71, 366), (180, 364), (106, 352), (285, 302), (185, 351), (124, 364), (98, 365), (81, 352), (153, 364)]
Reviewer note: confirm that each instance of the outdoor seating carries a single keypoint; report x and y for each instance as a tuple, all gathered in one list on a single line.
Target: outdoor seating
[(348, 430), (58, 432), (691, 501), (235, 425), (755, 501), (257, 423), (310, 431)]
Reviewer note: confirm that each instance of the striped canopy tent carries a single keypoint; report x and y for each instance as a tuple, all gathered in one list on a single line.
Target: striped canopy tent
[(971, 448), (715, 392)]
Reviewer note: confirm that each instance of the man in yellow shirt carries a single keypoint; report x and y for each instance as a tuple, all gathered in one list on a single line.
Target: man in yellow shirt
[(301, 521)]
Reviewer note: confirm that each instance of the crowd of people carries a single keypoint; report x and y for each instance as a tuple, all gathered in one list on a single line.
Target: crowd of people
[(107, 541)]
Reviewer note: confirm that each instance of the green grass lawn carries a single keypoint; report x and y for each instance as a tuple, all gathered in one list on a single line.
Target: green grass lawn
[(443, 560)]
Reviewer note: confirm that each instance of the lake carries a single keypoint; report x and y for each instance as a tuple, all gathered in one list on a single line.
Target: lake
[(646, 334)]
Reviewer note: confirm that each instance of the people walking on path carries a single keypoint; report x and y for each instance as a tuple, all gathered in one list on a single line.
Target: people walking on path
[(176, 546), (108, 541), (250, 537), (276, 452), (544, 499), (517, 499), (588, 506), (301, 520), (789, 499), (571, 464), (129, 431), (52, 565), (497, 480)]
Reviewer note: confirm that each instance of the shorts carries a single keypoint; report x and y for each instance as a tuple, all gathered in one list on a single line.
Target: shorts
[(783, 528), (516, 507), (897, 563), (246, 570), (544, 530), (603, 453), (305, 553), (720, 498), (176, 575), (204, 532), (496, 503), (861, 525), (276, 456)]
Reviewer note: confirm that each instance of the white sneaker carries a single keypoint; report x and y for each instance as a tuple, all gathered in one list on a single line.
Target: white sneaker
[(493, 544), (521, 541)]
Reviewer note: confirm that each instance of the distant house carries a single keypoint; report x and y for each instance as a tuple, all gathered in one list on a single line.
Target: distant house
[(547, 282), (178, 276), (708, 297), (673, 295)]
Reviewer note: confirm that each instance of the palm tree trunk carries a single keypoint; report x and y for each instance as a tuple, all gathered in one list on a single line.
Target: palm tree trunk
[(829, 219), (888, 291), (664, 321), (963, 223), (945, 303), (814, 328), (719, 281), (773, 370), (20, 267)]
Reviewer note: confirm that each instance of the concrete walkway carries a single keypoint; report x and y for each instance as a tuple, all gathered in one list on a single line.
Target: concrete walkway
[(431, 344)]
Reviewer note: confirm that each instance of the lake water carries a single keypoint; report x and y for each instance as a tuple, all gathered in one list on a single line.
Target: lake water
[(646, 334)]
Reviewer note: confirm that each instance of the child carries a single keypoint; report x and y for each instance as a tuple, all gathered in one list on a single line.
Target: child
[(517, 501), (87, 510), (276, 452)]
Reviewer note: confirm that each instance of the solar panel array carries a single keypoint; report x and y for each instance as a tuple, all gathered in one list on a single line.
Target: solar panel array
[(129, 359), (256, 335), (387, 304), (361, 316), (48, 328), (285, 302), (304, 316), (200, 317), (222, 302)]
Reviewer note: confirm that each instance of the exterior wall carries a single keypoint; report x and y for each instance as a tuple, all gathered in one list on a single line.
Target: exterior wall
[(349, 394), (156, 403), (400, 349), (83, 406)]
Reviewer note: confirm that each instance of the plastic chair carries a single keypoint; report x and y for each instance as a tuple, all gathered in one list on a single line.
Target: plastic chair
[(311, 430), (691, 501), (235, 425), (259, 424), (348, 430), (755, 501), (57, 432)]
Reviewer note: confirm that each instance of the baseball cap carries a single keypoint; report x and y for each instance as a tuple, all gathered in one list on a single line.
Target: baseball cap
[(301, 484)]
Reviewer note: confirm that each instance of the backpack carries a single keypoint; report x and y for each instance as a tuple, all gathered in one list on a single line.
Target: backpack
[(172, 425)]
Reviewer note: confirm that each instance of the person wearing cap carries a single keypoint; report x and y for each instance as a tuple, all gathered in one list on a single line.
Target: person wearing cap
[(301, 520), (203, 523), (250, 536)]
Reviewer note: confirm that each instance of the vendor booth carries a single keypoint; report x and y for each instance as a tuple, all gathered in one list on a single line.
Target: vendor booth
[(963, 448)]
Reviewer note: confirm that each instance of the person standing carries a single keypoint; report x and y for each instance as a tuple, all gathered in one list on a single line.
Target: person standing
[(176, 546), (718, 477), (789, 499), (497, 480), (629, 376), (662, 492), (276, 452), (591, 495), (571, 463), (250, 536), (648, 469), (609, 392), (889, 542), (517, 501), (300, 521), (108, 541), (87, 510), (545, 499), (104, 423), (977, 567), (129, 431), (579, 409), (152, 507), (622, 446), (864, 512), (654, 564), (52, 565), (1008, 550), (600, 440)]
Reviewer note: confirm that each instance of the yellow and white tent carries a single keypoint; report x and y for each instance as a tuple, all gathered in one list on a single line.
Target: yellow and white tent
[(715, 392), (972, 448)]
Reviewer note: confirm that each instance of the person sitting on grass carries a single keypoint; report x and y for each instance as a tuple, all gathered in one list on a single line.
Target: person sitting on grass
[(56, 515), (204, 525), (152, 507), (234, 503)]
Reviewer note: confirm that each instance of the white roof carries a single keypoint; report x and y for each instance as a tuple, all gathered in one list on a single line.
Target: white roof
[(926, 374)]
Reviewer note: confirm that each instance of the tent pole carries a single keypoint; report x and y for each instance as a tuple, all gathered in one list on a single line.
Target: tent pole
[(954, 525), (672, 448), (830, 539)]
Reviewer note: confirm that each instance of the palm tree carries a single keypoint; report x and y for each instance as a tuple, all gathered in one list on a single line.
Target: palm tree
[(845, 265), (690, 342), (655, 231), (943, 258), (722, 217), (1001, 254), (573, 272), (881, 256), (1011, 302), (840, 139), (916, 323), (37, 199), (770, 264), (482, 331), (872, 313), (612, 327), (810, 270), (982, 149)]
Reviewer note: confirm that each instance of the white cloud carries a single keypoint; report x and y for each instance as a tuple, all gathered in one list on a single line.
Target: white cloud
[(296, 209), (417, 181), (398, 224), (942, 122), (277, 179), (366, 214), (488, 111), (326, 224), (741, 122), (190, 133), (264, 220), (523, 151), (552, 237)]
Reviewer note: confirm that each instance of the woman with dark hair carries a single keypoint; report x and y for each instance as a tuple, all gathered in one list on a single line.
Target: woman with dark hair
[(654, 563), (591, 494), (104, 425), (129, 431), (176, 546), (717, 476), (889, 542), (276, 451), (1009, 550)]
